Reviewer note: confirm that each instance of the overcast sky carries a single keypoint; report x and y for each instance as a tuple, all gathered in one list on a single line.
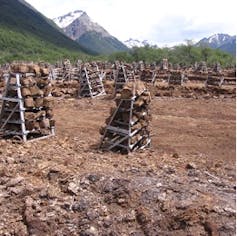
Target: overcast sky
[(164, 22)]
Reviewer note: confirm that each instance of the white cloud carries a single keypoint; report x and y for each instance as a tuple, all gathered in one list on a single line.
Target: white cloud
[(160, 21)]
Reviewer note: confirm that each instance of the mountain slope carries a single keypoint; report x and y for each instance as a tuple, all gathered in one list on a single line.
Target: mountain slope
[(98, 44), (26, 33), (223, 42), (78, 26), (229, 46)]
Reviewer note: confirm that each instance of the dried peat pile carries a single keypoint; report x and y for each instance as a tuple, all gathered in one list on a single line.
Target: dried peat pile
[(65, 88), (127, 128), (91, 84), (27, 104)]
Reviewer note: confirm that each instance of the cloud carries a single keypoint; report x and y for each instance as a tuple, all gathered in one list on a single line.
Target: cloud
[(159, 21), (170, 30), (174, 29)]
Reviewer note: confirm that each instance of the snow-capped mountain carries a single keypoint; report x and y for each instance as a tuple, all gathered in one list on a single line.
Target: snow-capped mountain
[(83, 24), (215, 41), (90, 35), (133, 43), (218, 38), (64, 21), (223, 42), (130, 43)]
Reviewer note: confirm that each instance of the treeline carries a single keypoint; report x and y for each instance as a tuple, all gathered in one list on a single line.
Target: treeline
[(183, 55), (16, 46)]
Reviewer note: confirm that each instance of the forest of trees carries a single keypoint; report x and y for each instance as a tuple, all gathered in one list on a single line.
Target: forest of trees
[(182, 54), (28, 47)]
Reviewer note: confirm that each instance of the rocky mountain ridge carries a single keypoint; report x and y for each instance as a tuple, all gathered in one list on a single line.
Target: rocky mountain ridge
[(215, 41), (80, 27)]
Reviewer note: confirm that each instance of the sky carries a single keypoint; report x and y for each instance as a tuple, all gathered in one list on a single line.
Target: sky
[(161, 22)]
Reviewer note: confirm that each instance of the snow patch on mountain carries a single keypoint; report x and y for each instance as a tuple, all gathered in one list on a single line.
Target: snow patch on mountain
[(130, 43), (217, 40), (64, 21), (223, 42)]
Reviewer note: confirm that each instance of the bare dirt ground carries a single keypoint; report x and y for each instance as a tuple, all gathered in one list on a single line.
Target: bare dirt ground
[(183, 185)]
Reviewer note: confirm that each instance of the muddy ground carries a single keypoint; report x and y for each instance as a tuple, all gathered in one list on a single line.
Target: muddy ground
[(183, 185)]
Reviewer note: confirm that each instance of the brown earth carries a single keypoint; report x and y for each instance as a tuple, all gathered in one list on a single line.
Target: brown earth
[(183, 185)]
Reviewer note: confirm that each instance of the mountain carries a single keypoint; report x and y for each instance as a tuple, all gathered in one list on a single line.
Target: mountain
[(223, 42), (135, 43), (78, 26), (214, 41), (25, 34)]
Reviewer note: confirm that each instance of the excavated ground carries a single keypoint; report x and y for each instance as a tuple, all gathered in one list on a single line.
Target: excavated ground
[(183, 185)]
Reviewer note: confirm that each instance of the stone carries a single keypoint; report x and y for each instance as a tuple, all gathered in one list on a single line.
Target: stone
[(73, 188), (130, 217), (80, 206), (191, 166), (92, 214), (93, 178), (211, 228), (15, 181), (176, 155), (92, 231), (16, 190), (107, 223)]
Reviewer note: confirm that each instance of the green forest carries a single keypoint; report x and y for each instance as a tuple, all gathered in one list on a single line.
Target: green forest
[(182, 54)]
